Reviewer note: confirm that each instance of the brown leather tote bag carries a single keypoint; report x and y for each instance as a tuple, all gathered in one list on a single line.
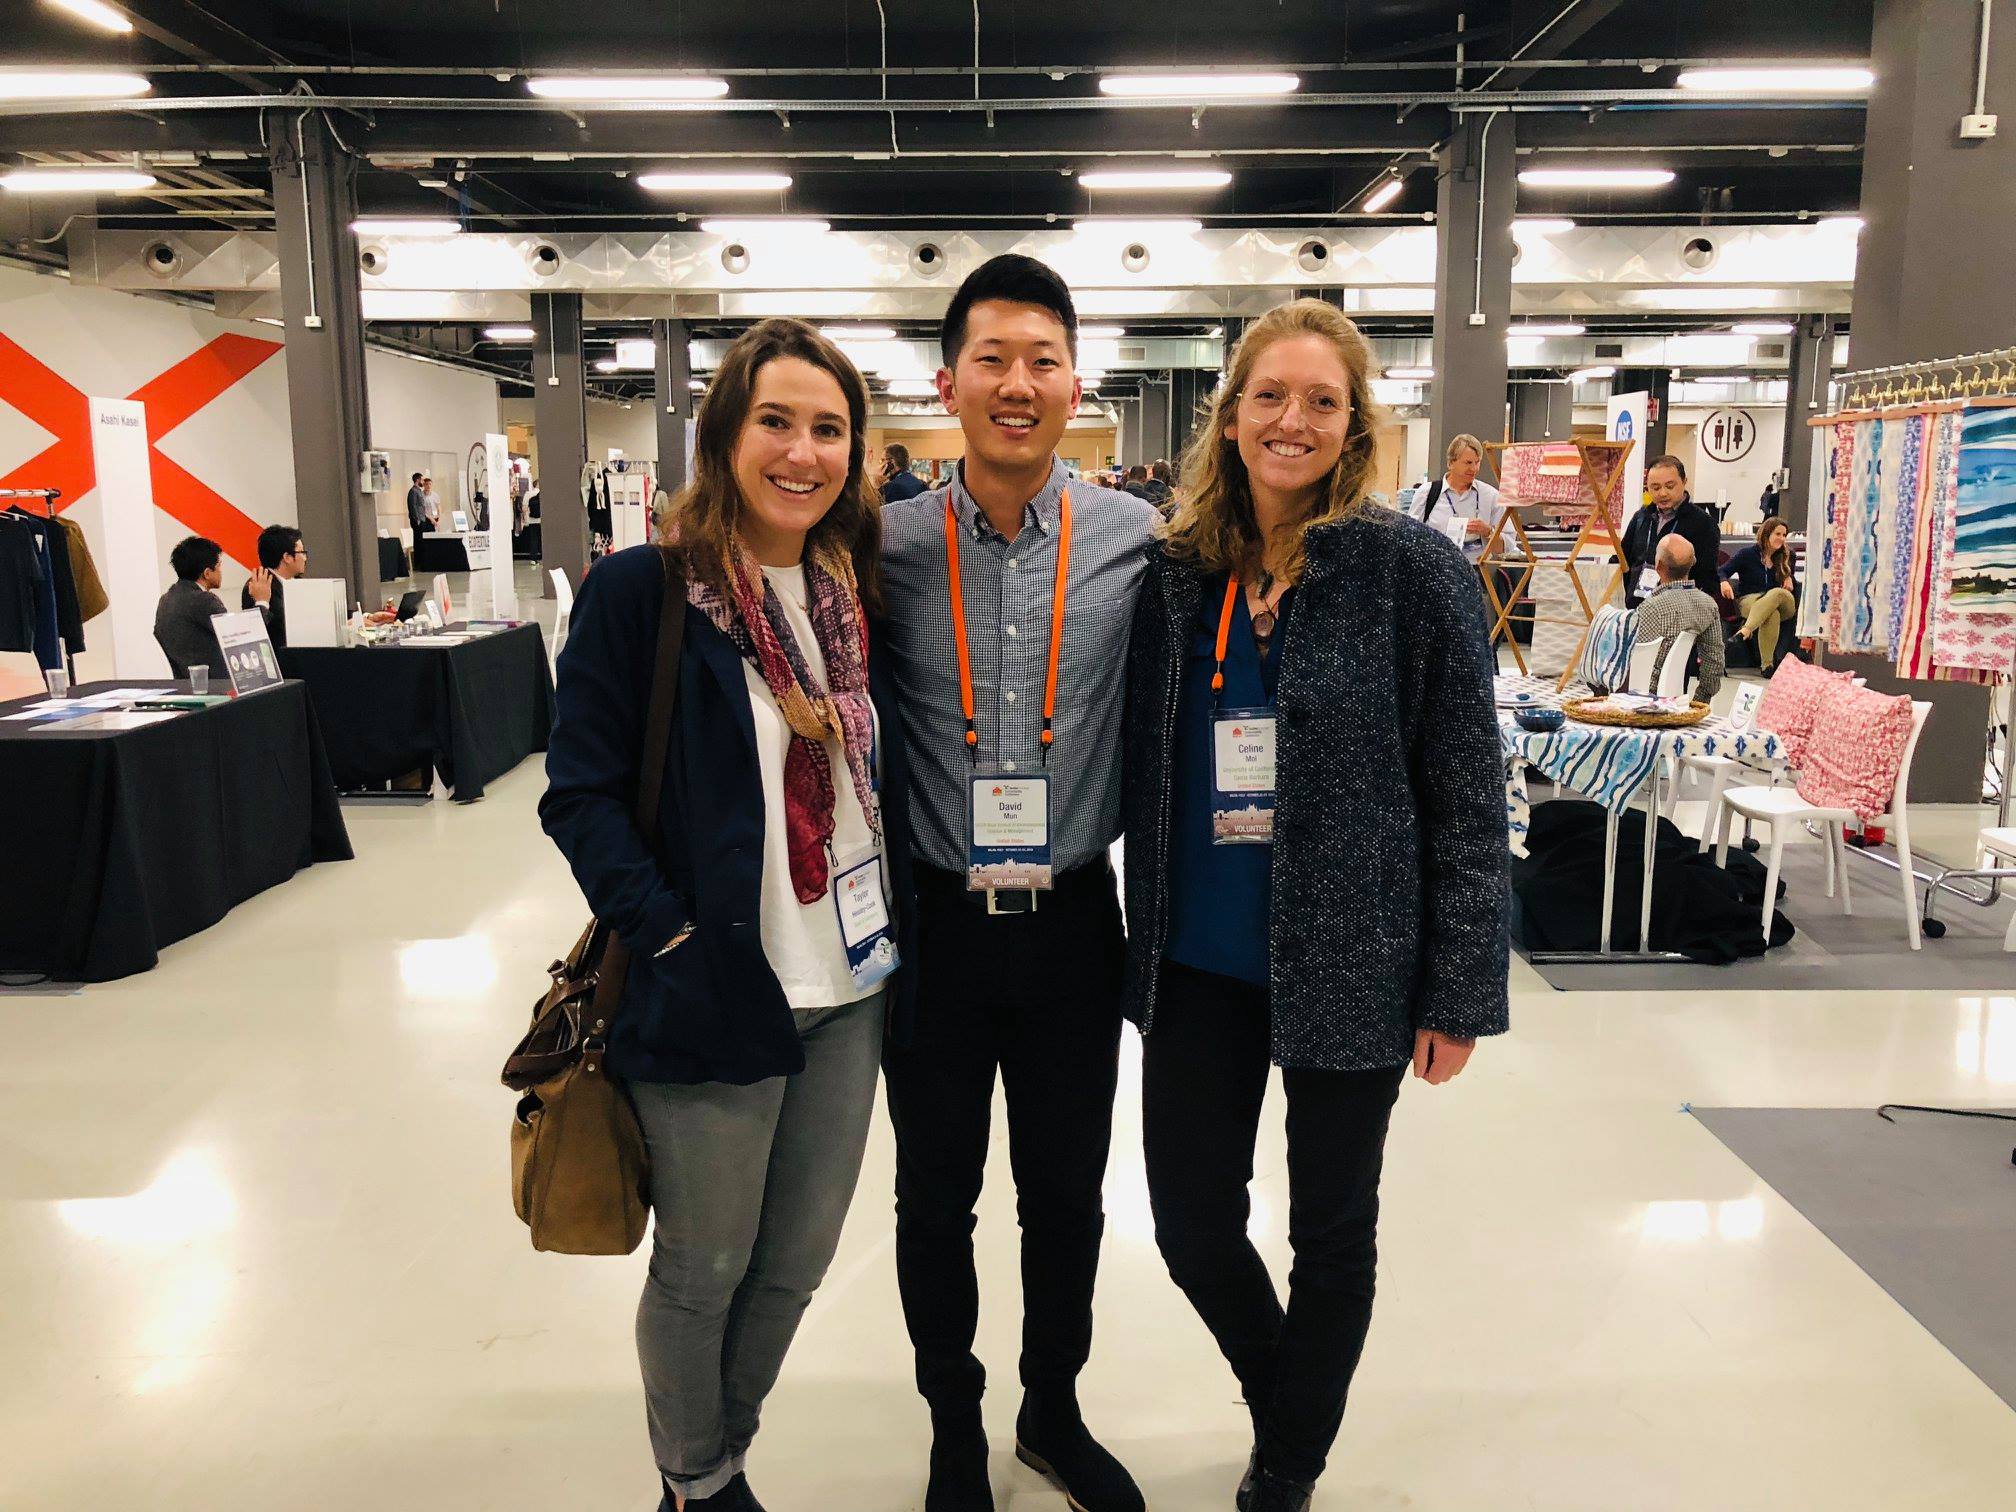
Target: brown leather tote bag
[(580, 1172)]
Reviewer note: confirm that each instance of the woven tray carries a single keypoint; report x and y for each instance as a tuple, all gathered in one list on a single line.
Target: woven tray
[(1574, 708)]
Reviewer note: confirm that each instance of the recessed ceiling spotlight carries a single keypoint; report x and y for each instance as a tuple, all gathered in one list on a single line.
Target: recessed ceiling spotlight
[(719, 183), (1189, 86), (590, 89), (1595, 178), (1155, 178)]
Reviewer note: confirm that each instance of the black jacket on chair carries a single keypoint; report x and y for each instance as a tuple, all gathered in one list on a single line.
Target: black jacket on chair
[(1390, 868), (712, 1009)]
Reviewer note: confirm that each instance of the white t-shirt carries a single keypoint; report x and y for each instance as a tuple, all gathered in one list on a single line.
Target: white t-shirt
[(802, 940)]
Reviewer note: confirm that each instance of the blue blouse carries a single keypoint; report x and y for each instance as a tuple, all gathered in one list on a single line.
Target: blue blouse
[(1219, 895)]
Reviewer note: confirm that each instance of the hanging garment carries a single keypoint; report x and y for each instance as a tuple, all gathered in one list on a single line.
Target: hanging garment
[(1974, 625), (1913, 642), (92, 599), (20, 585)]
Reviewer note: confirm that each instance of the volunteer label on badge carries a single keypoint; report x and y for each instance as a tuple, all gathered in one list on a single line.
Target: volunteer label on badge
[(1242, 777), (1010, 846), (864, 918)]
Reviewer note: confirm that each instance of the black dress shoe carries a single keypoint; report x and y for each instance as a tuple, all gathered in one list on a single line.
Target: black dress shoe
[(1051, 1439), (1275, 1493), (733, 1497), (958, 1465), (1243, 1497)]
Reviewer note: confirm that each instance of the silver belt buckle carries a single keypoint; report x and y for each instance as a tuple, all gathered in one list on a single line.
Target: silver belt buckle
[(994, 908)]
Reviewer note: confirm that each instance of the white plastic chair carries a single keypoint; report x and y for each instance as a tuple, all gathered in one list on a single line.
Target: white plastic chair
[(1785, 812), (1672, 676), (1998, 846), (563, 599)]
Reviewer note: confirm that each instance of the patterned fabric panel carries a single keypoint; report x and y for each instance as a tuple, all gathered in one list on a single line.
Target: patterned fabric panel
[(1969, 643), (1855, 750), (1606, 655)]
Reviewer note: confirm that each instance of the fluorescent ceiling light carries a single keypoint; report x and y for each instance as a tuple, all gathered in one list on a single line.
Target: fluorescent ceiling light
[(605, 365), (1541, 225), (1416, 373), (1184, 86), (720, 183), (589, 88), (1216, 333), (913, 388), (1843, 222), (696, 384), (74, 180), (423, 225), (1783, 78), (58, 84), (1383, 194), (1544, 328), (1155, 178), (636, 352), (858, 333), (1590, 374), (97, 12), (1101, 332), (766, 227), (1092, 375), (507, 333), (1595, 178), (1115, 225), (1702, 297), (1763, 328), (1718, 380)]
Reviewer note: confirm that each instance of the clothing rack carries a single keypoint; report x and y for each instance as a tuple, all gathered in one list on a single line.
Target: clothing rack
[(48, 496), (1947, 380)]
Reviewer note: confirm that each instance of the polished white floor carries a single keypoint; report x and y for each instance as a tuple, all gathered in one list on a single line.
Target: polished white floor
[(256, 1250)]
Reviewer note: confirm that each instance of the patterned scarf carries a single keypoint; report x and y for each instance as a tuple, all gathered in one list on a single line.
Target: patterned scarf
[(751, 616)]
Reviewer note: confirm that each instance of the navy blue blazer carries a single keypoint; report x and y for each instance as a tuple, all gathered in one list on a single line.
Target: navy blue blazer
[(712, 1009)]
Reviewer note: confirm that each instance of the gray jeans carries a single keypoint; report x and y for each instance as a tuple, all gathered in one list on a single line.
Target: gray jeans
[(749, 1189)]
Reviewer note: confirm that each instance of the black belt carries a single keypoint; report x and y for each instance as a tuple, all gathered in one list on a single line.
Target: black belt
[(936, 883)]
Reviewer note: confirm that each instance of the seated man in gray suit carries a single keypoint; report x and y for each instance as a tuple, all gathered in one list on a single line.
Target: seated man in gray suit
[(182, 618)]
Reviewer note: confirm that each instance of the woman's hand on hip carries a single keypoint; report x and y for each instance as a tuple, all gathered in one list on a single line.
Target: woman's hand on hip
[(1438, 1056)]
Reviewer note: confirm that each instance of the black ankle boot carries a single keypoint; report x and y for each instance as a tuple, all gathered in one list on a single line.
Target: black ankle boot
[(1243, 1497), (1275, 1493), (958, 1464), (1051, 1439)]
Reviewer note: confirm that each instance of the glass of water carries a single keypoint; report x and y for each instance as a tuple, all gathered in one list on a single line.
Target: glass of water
[(199, 680), (58, 679)]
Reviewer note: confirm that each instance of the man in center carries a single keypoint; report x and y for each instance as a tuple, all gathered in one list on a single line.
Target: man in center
[(1010, 600)]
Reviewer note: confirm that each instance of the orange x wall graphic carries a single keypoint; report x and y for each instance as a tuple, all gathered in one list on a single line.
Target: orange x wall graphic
[(43, 396)]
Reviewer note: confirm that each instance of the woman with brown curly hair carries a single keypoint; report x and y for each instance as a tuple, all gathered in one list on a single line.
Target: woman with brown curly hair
[(1760, 582), (1316, 860), (766, 917)]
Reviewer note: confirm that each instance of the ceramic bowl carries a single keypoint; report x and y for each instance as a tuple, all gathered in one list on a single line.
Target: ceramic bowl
[(1540, 721)]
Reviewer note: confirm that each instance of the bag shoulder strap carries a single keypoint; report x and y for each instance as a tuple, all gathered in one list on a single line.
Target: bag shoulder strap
[(659, 739), (1432, 492)]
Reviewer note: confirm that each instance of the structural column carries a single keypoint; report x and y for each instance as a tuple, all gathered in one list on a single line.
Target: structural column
[(1155, 412), (1656, 384), (1931, 272), (314, 202), (1474, 194), (1807, 377), (1190, 394), (560, 417), (1541, 412), (674, 402)]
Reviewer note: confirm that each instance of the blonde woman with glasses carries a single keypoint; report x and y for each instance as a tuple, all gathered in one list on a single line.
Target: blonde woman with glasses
[(1317, 872)]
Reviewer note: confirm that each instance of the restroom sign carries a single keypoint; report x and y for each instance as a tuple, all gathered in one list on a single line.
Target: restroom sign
[(1728, 434)]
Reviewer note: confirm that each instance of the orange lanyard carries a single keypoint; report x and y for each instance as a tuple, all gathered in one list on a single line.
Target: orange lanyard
[(1056, 625), (1224, 633)]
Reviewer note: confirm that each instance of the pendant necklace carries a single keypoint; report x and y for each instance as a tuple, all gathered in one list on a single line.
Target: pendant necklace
[(1264, 616)]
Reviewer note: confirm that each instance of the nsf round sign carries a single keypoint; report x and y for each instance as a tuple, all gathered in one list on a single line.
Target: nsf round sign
[(1727, 435), (1622, 426)]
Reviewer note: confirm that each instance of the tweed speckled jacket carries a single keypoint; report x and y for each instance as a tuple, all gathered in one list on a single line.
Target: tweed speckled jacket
[(1391, 890)]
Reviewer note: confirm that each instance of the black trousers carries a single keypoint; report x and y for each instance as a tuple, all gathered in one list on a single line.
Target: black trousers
[(1035, 997), (1204, 1073)]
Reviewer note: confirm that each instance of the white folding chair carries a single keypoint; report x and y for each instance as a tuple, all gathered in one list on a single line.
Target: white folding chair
[(1672, 676), (1785, 811), (563, 599)]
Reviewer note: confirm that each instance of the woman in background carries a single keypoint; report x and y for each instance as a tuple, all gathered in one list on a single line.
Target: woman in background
[(1759, 581)]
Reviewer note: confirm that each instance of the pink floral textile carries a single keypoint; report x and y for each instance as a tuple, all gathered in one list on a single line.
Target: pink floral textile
[(1855, 749), (1791, 701)]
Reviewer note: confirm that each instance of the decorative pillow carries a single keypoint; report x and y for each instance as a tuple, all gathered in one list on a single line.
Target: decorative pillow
[(1854, 751), (1606, 655), (1790, 700)]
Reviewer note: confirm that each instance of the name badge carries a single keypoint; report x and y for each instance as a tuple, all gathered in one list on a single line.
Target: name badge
[(1242, 777), (1010, 836), (864, 917), (1648, 579)]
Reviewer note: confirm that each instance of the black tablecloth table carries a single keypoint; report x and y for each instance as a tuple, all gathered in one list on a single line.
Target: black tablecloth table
[(122, 842), (391, 559), (473, 711), (439, 553)]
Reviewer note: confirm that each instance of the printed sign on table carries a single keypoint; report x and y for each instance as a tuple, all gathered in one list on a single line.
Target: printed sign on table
[(248, 651)]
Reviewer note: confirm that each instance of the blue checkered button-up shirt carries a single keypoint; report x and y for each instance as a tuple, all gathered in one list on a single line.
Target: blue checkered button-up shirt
[(1008, 587)]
